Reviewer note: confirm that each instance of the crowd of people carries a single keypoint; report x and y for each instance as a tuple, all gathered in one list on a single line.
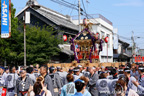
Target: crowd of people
[(125, 80)]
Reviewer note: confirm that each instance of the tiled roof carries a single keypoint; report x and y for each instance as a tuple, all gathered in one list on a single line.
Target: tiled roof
[(53, 16), (56, 17)]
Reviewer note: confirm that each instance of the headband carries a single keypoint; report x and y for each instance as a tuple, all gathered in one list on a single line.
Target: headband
[(52, 68), (79, 66), (141, 68), (76, 70), (120, 70), (115, 74), (127, 70)]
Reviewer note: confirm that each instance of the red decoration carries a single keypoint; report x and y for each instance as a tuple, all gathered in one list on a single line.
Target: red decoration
[(96, 49), (85, 21), (97, 35), (80, 55), (106, 39), (77, 50), (64, 38), (4, 92)]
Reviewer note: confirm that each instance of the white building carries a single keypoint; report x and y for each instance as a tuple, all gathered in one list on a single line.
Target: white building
[(105, 28)]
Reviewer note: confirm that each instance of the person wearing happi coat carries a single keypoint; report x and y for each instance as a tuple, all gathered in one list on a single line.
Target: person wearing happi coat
[(22, 84)]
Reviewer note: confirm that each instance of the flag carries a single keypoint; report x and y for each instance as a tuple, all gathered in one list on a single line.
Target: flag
[(5, 18)]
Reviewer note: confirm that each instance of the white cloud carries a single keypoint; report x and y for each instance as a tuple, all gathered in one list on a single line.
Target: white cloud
[(135, 3)]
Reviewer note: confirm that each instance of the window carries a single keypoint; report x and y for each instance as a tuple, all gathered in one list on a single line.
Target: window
[(102, 36), (108, 41)]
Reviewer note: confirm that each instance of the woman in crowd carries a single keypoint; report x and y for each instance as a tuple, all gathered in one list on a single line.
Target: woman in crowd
[(39, 89), (80, 87), (121, 88), (86, 80)]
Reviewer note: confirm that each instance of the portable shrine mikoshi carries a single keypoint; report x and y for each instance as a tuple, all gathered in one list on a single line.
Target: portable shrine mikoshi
[(87, 45)]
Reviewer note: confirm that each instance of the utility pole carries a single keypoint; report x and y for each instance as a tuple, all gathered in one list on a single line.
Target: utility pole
[(132, 38), (24, 39), (26, 21), (79, 12)]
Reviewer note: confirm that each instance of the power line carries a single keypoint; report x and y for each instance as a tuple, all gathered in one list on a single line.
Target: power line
[(73, 6), (127, 38), (72, 9), (69, 3), (64, 4), (84, 8)]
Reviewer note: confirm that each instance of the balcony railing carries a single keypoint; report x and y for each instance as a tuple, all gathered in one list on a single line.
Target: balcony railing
[(93, 16)]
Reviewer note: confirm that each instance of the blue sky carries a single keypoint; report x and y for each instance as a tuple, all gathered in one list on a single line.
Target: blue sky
[(126, 15)]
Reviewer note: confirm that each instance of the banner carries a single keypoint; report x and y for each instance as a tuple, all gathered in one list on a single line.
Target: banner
[(5, 18)]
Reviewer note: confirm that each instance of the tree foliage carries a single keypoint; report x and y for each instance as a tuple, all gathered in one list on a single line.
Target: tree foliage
[(41, 44), (7, 45)]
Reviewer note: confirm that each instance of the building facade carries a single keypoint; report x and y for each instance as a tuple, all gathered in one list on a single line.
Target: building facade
[(141, 52), (105, 28)]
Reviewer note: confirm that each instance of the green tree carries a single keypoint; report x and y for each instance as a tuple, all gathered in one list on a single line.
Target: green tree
[(7, 45), (41, 44)]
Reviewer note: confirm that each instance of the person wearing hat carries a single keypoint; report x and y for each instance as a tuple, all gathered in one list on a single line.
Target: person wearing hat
[(80, 87), (93, 77), (101, 70), (11, 81), (22, 84), (56, 80), (121, 73), (129, 80), (77, 73), (80, 67), (109, 74), (86, 80), (70, 70), (114, 73)]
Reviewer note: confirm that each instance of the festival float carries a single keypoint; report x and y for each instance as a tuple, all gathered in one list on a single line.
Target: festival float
[(87, 45)]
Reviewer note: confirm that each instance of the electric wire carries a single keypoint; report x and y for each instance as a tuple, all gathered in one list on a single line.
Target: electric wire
[(69, 3), (64, 4), (84, 8)]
